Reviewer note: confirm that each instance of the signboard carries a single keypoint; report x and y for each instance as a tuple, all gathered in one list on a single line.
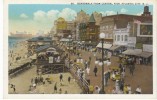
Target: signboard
[(145, 30), (147, 48), (131, 41), (50, 59)]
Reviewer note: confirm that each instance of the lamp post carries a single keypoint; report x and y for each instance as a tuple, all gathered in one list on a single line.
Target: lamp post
[(69, 49), (102, 37), (102, 62)]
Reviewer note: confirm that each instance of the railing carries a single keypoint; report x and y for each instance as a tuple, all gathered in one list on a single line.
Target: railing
[(81, 81), (14, 72), (42, 61)]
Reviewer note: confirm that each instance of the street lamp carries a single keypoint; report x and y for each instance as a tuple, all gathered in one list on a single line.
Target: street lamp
[(69, 49), (102, 62)]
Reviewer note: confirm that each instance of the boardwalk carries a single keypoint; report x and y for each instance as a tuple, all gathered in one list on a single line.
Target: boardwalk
[(142, 74)]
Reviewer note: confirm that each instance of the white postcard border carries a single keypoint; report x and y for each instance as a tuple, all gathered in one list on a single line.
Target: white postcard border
[(85, 96)]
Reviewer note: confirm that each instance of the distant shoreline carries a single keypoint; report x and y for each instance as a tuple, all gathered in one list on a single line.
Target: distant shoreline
[(13, 37)]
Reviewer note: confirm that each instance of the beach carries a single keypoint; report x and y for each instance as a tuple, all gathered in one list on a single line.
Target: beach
[(17, 55)]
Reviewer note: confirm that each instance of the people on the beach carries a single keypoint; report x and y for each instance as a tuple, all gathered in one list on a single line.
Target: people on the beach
[(14, 89), (55, 88), (69, 78), (61, 77), (60, 91)]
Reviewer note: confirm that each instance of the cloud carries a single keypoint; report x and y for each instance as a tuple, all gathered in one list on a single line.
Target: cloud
[(123, 10), (51, 15), (108, 13), (139, 14), (24, 16), (68, 14), (40, 16)]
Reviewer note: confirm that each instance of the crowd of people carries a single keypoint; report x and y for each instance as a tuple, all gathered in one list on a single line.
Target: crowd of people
[(44, 81), (116, 75), (12, 86)]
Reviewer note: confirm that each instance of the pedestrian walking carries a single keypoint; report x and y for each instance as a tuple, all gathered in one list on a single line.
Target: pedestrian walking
[(129, 89), (69, 78), (97, 88), (125, 90), (121, 83), (61, 77), (60, 91), (36, 80), (95, 70), (14, 89), (138, 90), (66, 92), (90, 58), (117, 86), (88, 70), (55, 88)]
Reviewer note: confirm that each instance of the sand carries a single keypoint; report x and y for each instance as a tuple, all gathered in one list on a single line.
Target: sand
[(19, 50), (23, 80)]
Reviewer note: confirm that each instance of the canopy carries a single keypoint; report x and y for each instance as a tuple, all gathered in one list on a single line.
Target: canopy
[(51, 49), (114, 47), (39, 49), (134, 52), (105, 45), (41, 53), (145, 54)]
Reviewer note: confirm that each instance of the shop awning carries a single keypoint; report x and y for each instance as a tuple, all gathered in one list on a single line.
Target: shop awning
[(114, 47), (134, 52), (105, 45), (145, 54)]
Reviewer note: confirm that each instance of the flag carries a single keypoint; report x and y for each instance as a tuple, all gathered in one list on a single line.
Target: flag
[(137, 21)]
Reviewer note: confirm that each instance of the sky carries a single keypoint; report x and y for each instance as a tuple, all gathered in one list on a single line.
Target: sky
[(34, 17)]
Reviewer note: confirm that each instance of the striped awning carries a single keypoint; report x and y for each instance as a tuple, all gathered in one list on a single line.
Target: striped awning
[(145, 54), (134, 52)]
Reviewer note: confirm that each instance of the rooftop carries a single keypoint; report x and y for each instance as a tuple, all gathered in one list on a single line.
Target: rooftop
[(92, 19)]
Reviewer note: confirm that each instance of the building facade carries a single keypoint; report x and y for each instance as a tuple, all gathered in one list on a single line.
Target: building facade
[(61, 24), (121, 35), (89, 31), (92, 29), (108, 22)]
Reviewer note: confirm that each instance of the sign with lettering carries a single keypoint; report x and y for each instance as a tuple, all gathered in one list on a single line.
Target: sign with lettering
[(147, 48), (50, 59), (131, 41)]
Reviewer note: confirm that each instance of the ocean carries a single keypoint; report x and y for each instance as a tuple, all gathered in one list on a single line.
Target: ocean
[(14, 40)]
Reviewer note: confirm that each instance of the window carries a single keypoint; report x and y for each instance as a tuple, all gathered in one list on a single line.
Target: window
[(126, 38), (118, 38), (122, 37)]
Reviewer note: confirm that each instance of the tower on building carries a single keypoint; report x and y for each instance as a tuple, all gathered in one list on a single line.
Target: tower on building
[(92, 19), (146, 11)]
